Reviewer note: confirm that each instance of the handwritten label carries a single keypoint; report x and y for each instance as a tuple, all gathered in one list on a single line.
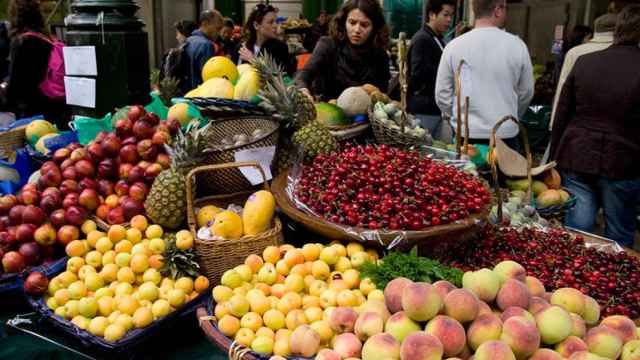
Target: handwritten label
[(263, 156), (80, 91), (80, 60)]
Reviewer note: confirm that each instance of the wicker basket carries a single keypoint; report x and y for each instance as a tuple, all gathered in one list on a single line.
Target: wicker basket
[(229, 179), (558, 212), (11, 140), (389, 136), (346, 132), (217, 256), (103, 225)]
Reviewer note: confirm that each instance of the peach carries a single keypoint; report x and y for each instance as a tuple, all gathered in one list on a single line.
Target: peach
[(622, 326), (450, 332), (347, 345), (604, 341), (578, 327), (420, 301), (545, 354), (343, 319), (484, 328), (304, 341), (535, 286), (591, 313), (393, 293), (484, 283), (521, 335), (368, 324), (631, 350), (421, 346), (382, 346), (400, 326), (376, 306), (571, 345), (554, 324), (536, 304), (510, 270), (517, 311), (513, 293), (570, 299), (484, 309), (462, 305), (327, 354), (494, 350), (585, 355), (443, 287)]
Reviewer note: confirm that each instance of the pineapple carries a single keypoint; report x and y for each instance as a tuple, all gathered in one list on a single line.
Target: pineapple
[(178, 263), (168, 88), (296, 114), (166, 203)]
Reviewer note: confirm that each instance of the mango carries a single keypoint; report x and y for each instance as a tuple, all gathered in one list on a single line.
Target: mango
[(258, 212)]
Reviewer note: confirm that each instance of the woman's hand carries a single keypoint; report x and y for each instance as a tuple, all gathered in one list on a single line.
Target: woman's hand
[(246, 54)]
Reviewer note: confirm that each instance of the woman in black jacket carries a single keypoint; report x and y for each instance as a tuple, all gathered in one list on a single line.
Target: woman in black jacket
[(261, 37), (29, 59), (353, 55)]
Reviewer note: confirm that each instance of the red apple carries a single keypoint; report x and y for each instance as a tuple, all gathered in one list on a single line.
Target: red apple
[(164, 160), (50, 203), (122, 188), (96, 153), (131, 140), (153, 118), (33, 215), (111, 145), (51, 191), (61, 155), (41, 184), (13, 262), (174, 125), (67, 234), (45, 235), (152, 171), (85, 168), (116, 216), (36, 284), (47, 166), (135, 112), (53, 177), (69, 186), (69, 173), (124, 128), (144, 164), (136, 174), (75, 215), (123, 170), (79, 154), (105, 187), (15, 214), (57, 218), (30, 187), (29, 197), (131, 208), (8, 240), (107, 169), (4, 222), (67, 163), (30, 252), (88, 183), (7, 202), (147, 150), (101, 136), (89, 199), (129, 154), (138, 191), (70, 200), (74, 146), (102, 211), (25, 232), (160, 138), (143, 129)]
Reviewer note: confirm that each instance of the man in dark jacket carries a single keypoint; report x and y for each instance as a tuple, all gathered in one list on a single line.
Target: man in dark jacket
[(200, 45), (423, 60), (596, 133)]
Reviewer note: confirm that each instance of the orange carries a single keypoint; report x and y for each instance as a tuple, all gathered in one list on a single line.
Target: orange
[(201, 284)]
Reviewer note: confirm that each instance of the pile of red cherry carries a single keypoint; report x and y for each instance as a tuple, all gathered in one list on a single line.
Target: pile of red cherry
[(382, 187), (558, 259)]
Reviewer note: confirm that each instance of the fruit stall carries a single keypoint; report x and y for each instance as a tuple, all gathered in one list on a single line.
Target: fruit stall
[(246, 221)]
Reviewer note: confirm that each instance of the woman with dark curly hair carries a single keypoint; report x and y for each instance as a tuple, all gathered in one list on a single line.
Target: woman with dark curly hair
[(29, 58), (353, 54)]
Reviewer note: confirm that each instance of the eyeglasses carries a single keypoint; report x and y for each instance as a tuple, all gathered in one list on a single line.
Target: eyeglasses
[(265, 8)]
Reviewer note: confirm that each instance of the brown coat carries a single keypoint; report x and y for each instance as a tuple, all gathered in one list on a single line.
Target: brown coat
[(597, 124)]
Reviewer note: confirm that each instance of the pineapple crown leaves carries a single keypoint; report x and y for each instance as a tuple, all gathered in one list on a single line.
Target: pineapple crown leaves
[(187, 145), (168, 88), (179, 263)]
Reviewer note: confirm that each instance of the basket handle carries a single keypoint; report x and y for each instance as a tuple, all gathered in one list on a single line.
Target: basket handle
[(191, 219), (458, 90), (493, 162), (402, 69)]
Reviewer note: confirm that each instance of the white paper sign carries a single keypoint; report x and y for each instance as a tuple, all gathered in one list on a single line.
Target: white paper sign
[(80, 60), (263, 156), (80, 91)]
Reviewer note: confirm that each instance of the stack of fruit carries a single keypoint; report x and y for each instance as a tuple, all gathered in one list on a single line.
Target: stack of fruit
[(256, 217), (380, 187), (559, 259), (119, 280), (546, 189), (390, 115), (281, 303), (436, 321), (222, 79)]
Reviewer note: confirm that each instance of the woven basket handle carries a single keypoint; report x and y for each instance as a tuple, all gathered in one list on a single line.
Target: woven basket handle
[(191, 219), (458, 90), (493, 162)]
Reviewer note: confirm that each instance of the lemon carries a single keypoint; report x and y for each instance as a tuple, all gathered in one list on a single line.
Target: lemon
[(160, 308), (227, 225), (185, 284), (176, 297), (142, 317), (207, 214), (114, 332), (98, 325)]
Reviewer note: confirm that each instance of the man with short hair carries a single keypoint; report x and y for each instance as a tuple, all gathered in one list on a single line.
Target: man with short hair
[(423, 60), (228, 44), (497, 75), (200, 45)]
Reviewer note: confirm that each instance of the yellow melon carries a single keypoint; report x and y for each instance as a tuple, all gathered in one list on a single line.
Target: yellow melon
[(248, 86), (258, 212), (220, 67), (243, 68), (216, 88), (38, 128), (207, 214)]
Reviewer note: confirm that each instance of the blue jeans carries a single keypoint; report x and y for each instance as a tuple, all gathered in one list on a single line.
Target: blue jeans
[(618, 199)]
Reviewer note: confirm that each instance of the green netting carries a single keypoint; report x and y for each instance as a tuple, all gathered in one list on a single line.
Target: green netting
[(87, 128)]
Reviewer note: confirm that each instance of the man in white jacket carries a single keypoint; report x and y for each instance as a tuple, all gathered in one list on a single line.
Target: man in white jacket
[(497, 75)]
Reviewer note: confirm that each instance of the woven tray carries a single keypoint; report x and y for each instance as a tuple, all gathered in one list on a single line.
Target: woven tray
[(219, 108), (429, 237), (11, 140), (231, 180)]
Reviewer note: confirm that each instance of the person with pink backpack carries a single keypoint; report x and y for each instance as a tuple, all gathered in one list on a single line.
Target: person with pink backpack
[(36, 69)]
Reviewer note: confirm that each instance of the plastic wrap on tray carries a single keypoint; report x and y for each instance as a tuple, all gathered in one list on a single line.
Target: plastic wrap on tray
[(388, 239)]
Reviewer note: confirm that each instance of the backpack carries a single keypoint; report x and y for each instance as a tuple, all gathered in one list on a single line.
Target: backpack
[(53, 84), (176, 65)]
